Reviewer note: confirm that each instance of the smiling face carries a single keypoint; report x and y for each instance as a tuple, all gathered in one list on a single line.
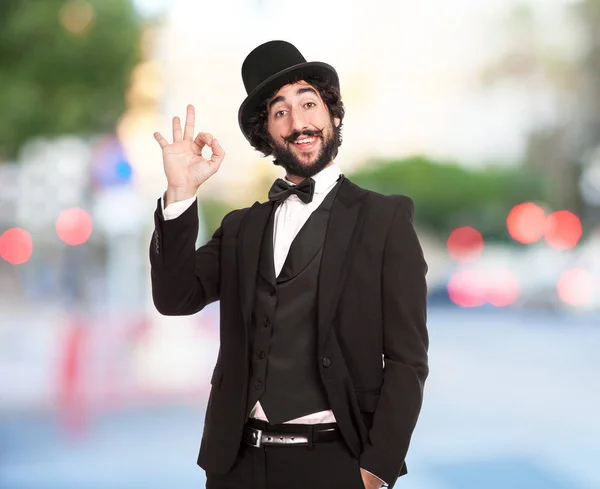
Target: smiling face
[(301, 130)]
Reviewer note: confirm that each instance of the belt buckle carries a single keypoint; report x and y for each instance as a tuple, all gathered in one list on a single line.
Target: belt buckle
[(256, 437)]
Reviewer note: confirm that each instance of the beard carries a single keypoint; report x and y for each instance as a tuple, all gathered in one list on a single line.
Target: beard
[(293, 164)]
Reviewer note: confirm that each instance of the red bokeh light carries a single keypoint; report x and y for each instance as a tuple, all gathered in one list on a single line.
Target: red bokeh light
[(473, 288), (74, 226), (466, 288), (465, 244), (503, 288), (16, 246), (526, 222), (576, 286), (563, 230)]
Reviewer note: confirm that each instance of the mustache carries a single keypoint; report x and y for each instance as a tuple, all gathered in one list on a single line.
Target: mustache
[(308, 132)]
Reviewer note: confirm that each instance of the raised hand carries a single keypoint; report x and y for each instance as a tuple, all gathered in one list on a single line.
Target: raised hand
[(185, 167)]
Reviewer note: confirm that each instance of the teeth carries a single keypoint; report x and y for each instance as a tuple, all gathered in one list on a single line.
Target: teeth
[(305, 141)]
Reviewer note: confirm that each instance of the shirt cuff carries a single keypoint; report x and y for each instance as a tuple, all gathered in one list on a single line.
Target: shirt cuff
[(385, 484), (174, 210)]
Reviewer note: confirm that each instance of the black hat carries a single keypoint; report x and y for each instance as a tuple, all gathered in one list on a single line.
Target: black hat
[(269, 67)]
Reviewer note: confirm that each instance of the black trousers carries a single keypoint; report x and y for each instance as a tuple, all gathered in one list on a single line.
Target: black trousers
[(328, 465)]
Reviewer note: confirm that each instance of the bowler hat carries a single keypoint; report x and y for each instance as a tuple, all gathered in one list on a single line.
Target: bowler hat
[(269, 67)]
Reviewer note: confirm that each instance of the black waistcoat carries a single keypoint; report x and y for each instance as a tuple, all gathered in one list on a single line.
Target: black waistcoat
[(283, 341)]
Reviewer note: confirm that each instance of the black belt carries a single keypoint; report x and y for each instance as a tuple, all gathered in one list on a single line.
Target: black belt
[(257, 433)]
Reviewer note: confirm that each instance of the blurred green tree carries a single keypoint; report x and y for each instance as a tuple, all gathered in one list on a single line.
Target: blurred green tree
[(212, 212), (64, 67), (448, 195)]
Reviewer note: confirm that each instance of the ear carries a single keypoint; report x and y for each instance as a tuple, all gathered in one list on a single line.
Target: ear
[(336, 121)]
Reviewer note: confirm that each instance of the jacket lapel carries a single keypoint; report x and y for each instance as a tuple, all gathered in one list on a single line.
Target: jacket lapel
[(250, 237), (344, 223)]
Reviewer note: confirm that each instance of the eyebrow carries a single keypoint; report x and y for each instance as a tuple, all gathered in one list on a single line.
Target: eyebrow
[(281, 98)]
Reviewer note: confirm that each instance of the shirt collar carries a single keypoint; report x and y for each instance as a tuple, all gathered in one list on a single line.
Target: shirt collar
[(325, 179)]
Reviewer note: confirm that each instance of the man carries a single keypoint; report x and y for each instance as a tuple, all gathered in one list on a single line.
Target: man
[(323, 354)]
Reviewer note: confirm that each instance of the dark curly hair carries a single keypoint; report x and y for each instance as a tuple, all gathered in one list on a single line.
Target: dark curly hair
[(258, 134)]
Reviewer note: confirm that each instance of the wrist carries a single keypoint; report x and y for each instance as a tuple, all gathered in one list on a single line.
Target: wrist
[(173, 195)]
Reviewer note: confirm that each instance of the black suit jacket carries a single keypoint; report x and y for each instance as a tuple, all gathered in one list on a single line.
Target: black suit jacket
[(372, 334)]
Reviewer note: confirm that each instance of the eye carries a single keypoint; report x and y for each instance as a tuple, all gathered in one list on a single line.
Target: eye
[(279, 113), (310, 105)]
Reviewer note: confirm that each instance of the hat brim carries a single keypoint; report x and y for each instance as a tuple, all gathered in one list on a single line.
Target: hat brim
[(255, 99)]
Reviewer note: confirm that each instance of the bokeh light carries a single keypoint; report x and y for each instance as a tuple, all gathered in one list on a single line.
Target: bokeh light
[(563, 230), (526, 222), (474, 287), (74, 226), (110, 166), (77, 17), (465, 244), (16, 246), (576, 286), (466, 288), (503, 287)]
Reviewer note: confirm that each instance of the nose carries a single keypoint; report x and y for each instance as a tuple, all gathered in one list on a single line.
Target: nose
[(299, 122)]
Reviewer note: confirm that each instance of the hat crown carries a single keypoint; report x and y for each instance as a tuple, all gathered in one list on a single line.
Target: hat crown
[(267, 60)]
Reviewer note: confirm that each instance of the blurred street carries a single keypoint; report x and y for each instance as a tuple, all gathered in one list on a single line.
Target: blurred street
[(511, 402)]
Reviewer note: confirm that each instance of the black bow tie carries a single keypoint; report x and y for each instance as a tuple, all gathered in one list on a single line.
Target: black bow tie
[(281, 190)]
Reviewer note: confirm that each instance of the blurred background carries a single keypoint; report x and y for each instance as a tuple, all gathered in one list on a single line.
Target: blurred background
[(486, 113)]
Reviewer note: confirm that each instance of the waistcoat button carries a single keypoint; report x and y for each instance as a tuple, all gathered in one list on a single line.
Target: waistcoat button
[(258, 385), (262, 354), (326, 362)]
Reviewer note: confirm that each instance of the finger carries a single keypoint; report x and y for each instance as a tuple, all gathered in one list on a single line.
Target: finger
[(176, 129), (161, 140), (217, 153), (202, 139), (190, 120)]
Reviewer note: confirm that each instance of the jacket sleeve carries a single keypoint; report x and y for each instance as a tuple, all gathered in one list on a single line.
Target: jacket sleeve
[(405, 346), (184, 280)]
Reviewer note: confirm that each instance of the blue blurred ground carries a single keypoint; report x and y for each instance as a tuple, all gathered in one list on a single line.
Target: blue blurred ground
[(511, 403)]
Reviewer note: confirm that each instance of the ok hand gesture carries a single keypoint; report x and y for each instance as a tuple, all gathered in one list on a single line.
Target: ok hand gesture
[(185, 167)]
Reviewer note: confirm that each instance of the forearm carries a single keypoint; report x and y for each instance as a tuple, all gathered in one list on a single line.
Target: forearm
[(394, 421), (184, 280), (404, 305)]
